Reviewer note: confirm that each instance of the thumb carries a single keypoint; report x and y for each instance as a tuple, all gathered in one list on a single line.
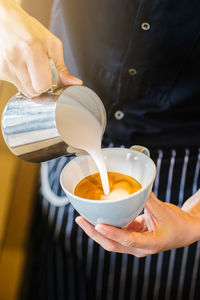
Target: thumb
[(65, 77), (55, 51), (156, 208)]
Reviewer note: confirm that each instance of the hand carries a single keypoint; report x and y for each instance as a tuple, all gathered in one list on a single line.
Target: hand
[(25, 49), (163, 226)]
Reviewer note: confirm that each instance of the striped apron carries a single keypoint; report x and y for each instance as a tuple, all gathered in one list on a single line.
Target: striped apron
[(68, 265)]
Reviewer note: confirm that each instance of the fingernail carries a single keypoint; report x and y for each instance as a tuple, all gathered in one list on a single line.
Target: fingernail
[(79, 221), (100, 228), (76, 80), (79, 81)]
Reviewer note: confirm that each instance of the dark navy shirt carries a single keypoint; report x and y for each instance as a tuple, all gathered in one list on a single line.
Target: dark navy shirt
[(142, 57)]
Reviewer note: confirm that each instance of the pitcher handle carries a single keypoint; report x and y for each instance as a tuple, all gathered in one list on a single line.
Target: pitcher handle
[(55, 77)]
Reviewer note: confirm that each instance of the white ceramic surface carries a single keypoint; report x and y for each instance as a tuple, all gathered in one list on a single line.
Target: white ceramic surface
[(114, 212)]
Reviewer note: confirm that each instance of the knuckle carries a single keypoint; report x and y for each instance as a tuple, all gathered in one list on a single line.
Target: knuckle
[(92, 234), (129, 242), (35, 95), (31, 41), (59, 43), (31, 48), (12, 52), (25, 93), (141, 255), (155, 251), (31, 92), (138, 255), (41, 88), (109, 248), (28, 48)]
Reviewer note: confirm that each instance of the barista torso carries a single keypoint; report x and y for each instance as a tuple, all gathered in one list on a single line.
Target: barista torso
[(143, 59)]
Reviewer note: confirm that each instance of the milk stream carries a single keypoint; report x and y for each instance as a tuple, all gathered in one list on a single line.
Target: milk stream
[(81, 129)]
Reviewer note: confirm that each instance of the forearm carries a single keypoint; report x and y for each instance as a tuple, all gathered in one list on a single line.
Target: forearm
[(192, 205)]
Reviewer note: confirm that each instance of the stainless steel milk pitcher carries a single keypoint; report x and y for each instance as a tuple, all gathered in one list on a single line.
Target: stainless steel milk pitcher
[(29, 125)]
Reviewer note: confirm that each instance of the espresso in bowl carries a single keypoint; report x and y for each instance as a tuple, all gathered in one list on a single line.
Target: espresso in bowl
[(117, 212), (121, 186)]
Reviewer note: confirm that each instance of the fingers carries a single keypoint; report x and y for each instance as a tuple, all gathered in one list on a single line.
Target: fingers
[(23, 81), (55, 51), (149, 220), (110, 244), (139, 224), (30, 63), (145, 240), (22, 89), (133, 239), (27, 45), (99, 238), (26, 65), (39, 69), (9, 74), (124, 237), (106, 243)]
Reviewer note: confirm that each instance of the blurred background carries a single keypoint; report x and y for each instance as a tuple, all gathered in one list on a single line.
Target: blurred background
[(19, 184)]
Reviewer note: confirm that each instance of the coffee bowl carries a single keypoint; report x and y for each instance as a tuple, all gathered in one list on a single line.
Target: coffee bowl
[(122, 160)]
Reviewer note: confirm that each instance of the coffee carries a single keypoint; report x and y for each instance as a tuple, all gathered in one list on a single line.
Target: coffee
[(121, 186)]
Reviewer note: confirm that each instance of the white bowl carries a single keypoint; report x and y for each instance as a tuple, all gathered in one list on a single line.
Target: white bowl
[(113, 212)]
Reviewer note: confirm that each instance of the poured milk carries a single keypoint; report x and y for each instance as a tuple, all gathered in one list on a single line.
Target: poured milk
[(116, 194), (81, 129)]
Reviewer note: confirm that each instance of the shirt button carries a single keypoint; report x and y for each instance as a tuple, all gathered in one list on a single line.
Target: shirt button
[(145, 26), (119, 115), (132, 72)]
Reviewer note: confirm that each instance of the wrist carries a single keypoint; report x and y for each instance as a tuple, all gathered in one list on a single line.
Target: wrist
[(195, 228), (192, 208), (192, 205)]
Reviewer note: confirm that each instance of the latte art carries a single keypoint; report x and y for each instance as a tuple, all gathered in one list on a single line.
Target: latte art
[(121, 186)]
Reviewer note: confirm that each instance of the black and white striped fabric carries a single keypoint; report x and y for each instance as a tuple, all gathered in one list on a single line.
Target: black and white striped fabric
[(70, 266)]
